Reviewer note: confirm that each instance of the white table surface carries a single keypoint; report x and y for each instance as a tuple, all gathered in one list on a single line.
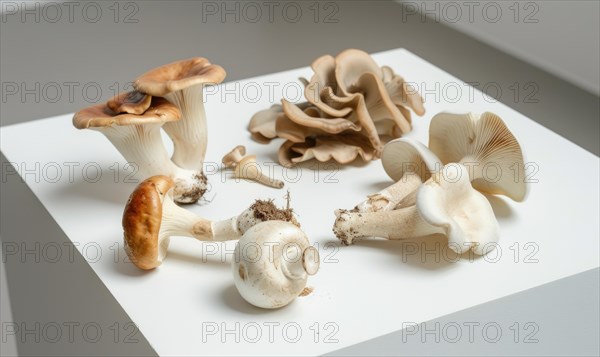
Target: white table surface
[(362, 291)]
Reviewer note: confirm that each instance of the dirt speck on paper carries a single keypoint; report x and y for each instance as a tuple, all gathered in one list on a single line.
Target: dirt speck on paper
[(306, 291)]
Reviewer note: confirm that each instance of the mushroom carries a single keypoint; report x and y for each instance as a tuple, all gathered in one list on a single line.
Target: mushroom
[(486, 146), (354, 106), (409, 163), (137, 137), (182, 84), (272, 263), (132, 102), (151, 217), (245, 167), (445, 204)]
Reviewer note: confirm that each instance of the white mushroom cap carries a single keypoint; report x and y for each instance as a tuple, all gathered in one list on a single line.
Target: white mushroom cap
[(449, 201), (273, 260), (486, 145), (404, 155)]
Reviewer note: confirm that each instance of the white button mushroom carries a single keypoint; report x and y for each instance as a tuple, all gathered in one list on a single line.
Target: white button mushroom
[(446, 204), (182, 83), (137, 137), (272, 263), (484, 144), (245, 167), (151, 217), (409, 163)]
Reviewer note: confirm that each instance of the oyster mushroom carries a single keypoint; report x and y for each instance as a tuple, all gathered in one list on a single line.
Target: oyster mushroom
[(137, 137), (409, 163), (486, 146), (272, 263), (245, 167), (445, 204), (151, 217), (349, 96), (182, 84)]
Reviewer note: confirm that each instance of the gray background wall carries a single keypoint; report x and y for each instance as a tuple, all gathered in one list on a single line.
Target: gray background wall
[(561, 37)]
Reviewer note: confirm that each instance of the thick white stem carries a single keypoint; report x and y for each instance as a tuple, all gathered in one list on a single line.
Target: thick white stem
[(142, 146), (190, 134), (389, 198), (398, 224)]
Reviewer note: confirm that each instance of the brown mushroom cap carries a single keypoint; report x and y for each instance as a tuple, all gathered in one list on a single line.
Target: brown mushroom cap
[(133, 102), (97, 116), (179, 75), (142, 219)]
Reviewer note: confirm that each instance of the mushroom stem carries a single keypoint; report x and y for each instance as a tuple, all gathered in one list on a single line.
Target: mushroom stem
[(142, 146), (248, 169), (190, 134), (389, 198), (397, 224), (178, 221), (296, 266)]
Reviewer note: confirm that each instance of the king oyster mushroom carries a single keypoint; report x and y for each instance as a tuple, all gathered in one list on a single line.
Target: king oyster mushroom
[(486, 146), (182, 83), (272, 263), (445, 204), (151, 217), (137, 137)]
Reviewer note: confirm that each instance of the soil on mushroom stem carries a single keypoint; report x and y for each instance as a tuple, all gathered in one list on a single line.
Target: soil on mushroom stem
[(267, 211), (196, 193)]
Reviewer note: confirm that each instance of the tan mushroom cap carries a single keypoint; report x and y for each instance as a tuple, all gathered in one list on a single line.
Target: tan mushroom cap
[(179, 75), (233, 157), (484, 139), (142, 219), (408, 156), (133, 102), (98, 116)]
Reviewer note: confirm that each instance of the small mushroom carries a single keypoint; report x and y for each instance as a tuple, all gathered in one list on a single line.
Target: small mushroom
[(445, 204), (272, 263), (409, 163), (245, 167), (182, 84), (132, 102), (138, 139), (486, 146), (151, 217)]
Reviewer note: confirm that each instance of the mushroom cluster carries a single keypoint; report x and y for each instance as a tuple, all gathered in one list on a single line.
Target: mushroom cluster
[(353, 107), (170, 97), (439, 190)]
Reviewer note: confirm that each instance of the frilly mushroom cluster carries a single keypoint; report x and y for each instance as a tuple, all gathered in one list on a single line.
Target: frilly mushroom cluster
[(167, 97), (353, 107), (438, 190)]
